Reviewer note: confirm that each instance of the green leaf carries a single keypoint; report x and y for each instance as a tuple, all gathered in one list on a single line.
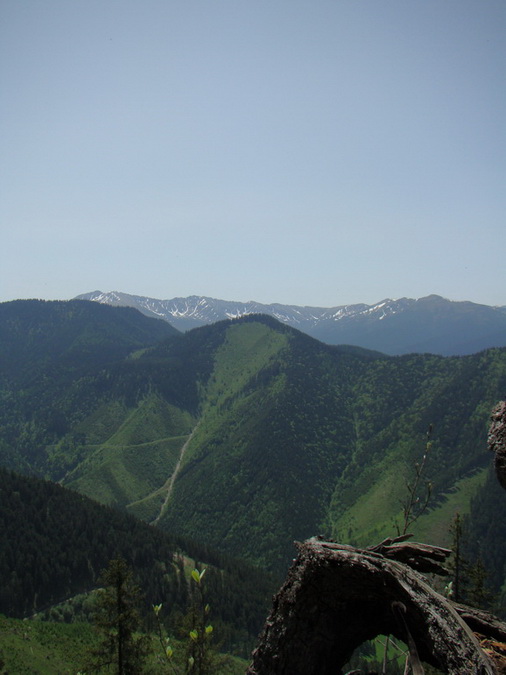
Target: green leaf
[(196, 576), (209, 629), (194, 635)]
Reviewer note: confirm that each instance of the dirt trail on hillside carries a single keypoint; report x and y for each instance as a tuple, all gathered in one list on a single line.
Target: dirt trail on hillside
[(169, 485)]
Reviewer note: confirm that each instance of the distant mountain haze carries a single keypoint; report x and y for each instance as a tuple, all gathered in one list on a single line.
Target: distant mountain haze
[(428, 325)]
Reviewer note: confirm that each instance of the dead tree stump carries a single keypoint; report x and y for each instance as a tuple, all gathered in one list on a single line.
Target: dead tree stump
[(336, 597)]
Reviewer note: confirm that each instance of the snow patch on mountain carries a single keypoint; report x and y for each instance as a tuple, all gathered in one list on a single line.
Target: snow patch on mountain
[(203, 310), (394, 326)]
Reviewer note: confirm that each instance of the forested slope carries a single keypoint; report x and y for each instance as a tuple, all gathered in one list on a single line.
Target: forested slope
[(248, 435), (54, 543)]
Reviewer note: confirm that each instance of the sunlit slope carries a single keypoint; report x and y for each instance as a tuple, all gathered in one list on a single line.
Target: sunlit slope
[(135, 460), (395, 403)]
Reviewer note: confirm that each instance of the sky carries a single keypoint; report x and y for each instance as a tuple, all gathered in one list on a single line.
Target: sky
[(307, 152)]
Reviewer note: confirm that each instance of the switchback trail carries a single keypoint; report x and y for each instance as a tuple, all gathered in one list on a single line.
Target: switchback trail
[(169, 484)]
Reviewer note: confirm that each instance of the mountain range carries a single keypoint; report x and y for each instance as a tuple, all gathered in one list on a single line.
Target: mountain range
[(426, 325), (247, 434)]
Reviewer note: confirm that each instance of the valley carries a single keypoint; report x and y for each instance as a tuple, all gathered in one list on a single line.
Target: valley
[(243, 437)]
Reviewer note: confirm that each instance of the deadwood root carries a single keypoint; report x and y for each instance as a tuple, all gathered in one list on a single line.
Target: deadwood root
[(336, 597)]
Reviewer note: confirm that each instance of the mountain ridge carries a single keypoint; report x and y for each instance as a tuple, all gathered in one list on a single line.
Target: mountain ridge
[(431, 324), (291, 436)]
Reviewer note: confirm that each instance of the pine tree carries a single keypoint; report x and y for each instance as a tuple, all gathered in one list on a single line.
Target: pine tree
[(470, 580), (479, 594), (459, 564), (117, 619)]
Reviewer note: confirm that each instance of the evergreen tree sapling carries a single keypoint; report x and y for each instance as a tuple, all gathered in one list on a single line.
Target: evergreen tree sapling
[(117, 619), (458, 563), (470, 584)]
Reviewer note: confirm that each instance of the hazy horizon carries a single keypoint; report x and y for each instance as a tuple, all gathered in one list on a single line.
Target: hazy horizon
[(316, 154), (248, 300)]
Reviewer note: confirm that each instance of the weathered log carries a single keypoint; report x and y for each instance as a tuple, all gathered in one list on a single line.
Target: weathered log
[(482, 622), (497, 441), (336, 597), (422, 557)]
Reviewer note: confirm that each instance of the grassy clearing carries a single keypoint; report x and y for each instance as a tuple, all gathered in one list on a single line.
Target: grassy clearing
[(362, 527), (33, 647), (148, 508), (151, 420), (123, 474), (248, 349), (44, 648), (137, 458), (434, 526), (360, 524)]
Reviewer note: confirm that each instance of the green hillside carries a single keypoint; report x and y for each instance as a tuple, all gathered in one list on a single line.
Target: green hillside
[(247, 435), (45, 347), (134, 461), (455, 395), (325, 441)]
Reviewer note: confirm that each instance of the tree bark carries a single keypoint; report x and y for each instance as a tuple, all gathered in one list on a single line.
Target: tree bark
[(336, 597)]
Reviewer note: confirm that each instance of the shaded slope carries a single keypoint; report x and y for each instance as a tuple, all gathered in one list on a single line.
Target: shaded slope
[(54, 543), (43, 335), (45, 348), (429, 325)]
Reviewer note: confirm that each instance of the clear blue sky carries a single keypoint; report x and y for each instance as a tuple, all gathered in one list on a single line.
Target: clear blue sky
[(316, 152)]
